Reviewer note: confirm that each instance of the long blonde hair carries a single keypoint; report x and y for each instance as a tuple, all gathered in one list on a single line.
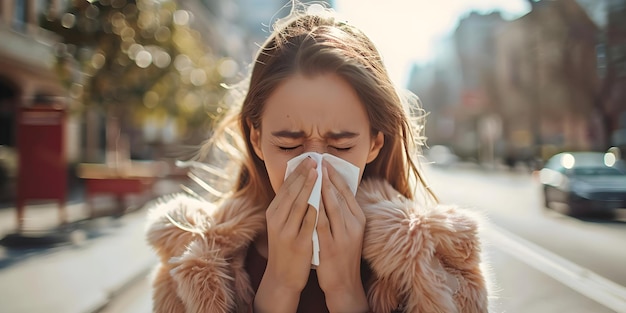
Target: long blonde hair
[(311, 44)]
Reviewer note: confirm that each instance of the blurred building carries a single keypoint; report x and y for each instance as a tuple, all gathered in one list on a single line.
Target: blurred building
[(547, 79), (560, 89), (610, 18), (479, 110), (457, 88), (88, 56), (27, 72), (439, 85), (551, 80)]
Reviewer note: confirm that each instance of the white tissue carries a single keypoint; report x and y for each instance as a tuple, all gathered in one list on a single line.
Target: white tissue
[(347, 170)]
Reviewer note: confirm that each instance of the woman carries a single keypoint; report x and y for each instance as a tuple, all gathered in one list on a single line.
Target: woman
[(317, 85)]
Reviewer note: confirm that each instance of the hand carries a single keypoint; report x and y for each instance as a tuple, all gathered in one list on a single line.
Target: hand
[(290, 223), (340, 229)]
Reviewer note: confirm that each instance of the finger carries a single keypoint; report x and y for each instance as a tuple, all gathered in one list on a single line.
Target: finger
[(345, 193), (332, 204), (308, 223), (293, 183), (301, 203), (281, 205), (323, 226)]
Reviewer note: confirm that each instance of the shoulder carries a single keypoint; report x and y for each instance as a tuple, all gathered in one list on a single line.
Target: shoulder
[(427, 248), (174, 220), (447, 229), (202, 248), (177, 220)]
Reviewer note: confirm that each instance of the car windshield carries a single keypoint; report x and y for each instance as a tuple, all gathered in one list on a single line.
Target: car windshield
[(597, 171)]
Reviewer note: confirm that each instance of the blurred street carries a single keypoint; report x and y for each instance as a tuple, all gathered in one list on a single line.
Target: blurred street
[(100, 99), (513, 203), (77, 267), (535, 282)]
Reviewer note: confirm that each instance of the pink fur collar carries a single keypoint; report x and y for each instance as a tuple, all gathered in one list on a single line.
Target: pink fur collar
[(424, 259)]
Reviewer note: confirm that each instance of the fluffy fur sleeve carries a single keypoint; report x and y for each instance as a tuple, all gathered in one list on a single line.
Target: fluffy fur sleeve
[(174, 221), (424, 259), (202, 252)]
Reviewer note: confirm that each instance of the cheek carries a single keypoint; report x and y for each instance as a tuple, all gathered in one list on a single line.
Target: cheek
[(275, 164), (276, 171), (359, 158)]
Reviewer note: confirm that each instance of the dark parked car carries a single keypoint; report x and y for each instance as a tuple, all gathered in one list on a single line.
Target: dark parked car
[(584, 182)]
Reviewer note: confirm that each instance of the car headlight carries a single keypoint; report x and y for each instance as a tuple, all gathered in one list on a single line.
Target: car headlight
[(552, 178)]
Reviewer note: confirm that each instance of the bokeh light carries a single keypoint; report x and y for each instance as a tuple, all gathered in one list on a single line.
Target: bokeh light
[(143, 59), (68, 20)]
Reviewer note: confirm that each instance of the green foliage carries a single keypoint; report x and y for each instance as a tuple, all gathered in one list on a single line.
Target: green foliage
[(139, 57)]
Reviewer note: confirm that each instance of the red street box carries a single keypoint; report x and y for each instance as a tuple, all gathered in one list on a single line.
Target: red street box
[(42, 169)]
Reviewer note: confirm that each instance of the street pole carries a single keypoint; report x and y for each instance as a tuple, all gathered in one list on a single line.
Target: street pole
[(535, 106)]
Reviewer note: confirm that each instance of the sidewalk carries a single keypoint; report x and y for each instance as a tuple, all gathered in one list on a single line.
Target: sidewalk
[(105, 254)]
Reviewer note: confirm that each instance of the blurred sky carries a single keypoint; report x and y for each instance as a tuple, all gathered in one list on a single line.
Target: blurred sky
[(404, 30)]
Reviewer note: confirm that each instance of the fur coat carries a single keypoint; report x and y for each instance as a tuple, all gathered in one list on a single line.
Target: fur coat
[(422, 259)]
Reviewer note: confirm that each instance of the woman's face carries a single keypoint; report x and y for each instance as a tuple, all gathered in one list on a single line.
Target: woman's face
[(313, 114)]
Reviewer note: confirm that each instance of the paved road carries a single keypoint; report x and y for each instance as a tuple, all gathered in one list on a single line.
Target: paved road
[(579, 259), (76, 279), (514, 202), (77, 275), (135, 298)]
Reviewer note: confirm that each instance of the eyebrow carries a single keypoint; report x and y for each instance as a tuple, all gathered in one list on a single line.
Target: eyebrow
[(288, 134), (299, 134)]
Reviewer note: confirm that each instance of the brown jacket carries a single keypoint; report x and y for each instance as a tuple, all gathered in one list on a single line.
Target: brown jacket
[(422, 259)]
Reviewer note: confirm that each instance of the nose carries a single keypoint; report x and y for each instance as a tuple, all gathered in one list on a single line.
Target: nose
[(316, 146)]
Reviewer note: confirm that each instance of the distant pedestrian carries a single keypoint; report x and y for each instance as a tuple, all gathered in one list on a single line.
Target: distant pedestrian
[(319, 107)]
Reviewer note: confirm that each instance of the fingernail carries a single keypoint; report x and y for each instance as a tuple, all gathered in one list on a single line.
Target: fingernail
[(311, 161)]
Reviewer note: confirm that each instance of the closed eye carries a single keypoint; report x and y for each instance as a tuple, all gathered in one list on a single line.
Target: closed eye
[(289, 148), (342, 149)]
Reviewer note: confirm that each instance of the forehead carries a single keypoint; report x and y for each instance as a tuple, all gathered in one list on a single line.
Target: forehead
[(320, 101)]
